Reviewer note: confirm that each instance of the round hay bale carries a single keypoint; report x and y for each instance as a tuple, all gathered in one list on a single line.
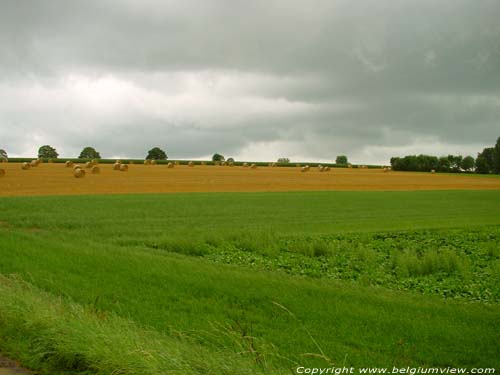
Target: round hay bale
[(123, 167), (321, 168), (147, 162), (95, 170), (327, 169), (433, 171), (34, 163), (170, 165), (94, 162), (76, 166), (349, 165), (153, 162), (245, 165), (2, 172), (253, 166), (116, 166), (26, 166), (89, 164), (69, 164), (223, 164), (191, 164), (303, 169), (79, 173), (118, 161)]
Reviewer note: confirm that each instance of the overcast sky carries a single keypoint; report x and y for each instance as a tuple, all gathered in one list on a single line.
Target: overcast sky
[(251, 79)]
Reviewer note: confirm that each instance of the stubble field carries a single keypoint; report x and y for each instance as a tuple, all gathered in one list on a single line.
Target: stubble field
[(56, 179)]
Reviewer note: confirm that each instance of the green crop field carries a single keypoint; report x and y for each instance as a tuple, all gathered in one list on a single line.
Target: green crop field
[(249, 283)]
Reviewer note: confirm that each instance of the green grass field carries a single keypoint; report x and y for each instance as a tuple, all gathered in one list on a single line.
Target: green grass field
[(250, 283)]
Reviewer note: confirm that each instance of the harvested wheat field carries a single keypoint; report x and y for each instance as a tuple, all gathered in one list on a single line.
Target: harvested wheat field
[(55, 179)]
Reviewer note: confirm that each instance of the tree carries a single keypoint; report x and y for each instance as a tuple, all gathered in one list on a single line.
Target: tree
[(3, 155), (156, 153), (468, 163), (455, 162), (89, 153), (47, 152), (496, 157), (230, 160), (283, 160), (341, 159), (485, 160), (444, 164), (218, 157)]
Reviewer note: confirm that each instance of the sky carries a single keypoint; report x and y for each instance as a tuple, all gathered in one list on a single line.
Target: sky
[(253, 80)]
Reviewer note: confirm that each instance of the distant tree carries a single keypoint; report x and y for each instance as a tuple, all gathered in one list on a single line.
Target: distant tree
[(444, 164), (468, 163), (455, 162), (485, 160), (341, 159), (420, 163), (156, 153), (47, 152), (284, 160), (396, 163), (3, 155), (218, 157), (89, 153), (496, 157), (230, 160)]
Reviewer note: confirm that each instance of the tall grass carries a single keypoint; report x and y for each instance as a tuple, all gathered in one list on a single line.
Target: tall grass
[(54, 334)]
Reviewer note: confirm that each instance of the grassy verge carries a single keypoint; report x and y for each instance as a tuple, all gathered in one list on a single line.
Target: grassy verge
[(54, 335)]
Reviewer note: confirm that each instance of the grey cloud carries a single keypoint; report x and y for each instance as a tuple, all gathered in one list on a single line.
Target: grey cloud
[(354, 74)]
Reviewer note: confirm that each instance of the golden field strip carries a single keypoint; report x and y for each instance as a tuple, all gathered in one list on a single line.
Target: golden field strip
[(57, 179)]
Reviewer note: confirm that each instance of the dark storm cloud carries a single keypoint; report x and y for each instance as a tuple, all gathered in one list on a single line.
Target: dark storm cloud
[(311, 79)]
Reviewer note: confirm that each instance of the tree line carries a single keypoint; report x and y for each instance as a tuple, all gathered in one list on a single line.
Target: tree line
[(487, 161)]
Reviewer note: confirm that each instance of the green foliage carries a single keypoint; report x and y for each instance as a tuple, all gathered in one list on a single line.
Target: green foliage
[(283, 160), (3, 155), (47, 152), (420, 163), (488, 161), (456, 263), (496, 158), (468, 163), (218, 157), (341, 159), (485, 161), (156, 153), (230, 160), (89, 153)]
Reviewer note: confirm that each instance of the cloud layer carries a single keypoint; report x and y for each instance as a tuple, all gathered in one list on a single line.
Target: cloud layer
[(254, 80)]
